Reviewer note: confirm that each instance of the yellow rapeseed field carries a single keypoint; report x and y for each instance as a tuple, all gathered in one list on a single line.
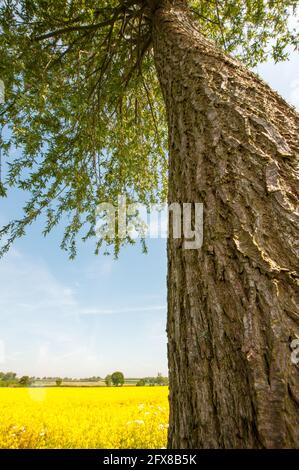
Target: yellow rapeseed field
[(127, 417)]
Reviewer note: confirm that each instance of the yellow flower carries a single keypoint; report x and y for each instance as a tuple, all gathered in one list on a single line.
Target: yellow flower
[(126, 417)]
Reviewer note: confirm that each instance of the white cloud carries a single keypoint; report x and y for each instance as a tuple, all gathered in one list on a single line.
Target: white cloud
[(27, 286), (73, 360), (99, 268), (46, 329)]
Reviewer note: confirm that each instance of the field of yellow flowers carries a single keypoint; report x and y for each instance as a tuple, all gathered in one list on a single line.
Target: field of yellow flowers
[(127, 417)]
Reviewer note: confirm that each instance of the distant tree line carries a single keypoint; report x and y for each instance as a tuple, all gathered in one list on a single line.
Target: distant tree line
[(7, 379), (70, 379), (116, 379), (152, 381), (10, 379)]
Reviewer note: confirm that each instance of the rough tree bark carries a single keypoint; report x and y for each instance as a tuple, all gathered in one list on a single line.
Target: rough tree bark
[(232, 308)]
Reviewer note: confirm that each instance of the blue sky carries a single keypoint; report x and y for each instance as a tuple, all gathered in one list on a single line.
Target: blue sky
[(93, 315)]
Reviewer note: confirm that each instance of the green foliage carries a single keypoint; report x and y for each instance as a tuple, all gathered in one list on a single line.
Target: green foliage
[(117, 378), (90, 126), (108, 380), (7, 376), (58, 382), (160, 380), (83, 103), (253, 30), (25, 381), (7, 379), (140, 383)]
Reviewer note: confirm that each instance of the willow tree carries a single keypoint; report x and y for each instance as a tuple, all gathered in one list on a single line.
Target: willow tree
[(95, 92)]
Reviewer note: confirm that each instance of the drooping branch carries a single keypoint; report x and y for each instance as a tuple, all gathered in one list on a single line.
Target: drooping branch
[(69, 29)]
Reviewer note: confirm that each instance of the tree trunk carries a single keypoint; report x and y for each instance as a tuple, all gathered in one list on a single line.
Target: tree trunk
[(232, 308)]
